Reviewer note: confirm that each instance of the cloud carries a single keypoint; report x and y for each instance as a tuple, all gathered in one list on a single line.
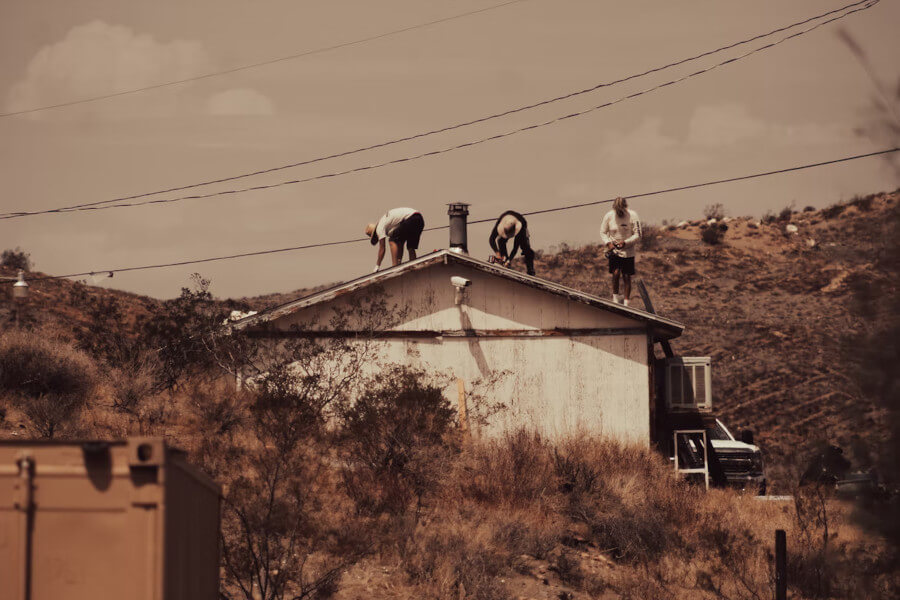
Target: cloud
[(723, 125), (96, 59), (647, 136), (240, 101)]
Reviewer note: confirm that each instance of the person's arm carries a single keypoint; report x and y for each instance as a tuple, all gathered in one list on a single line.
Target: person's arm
[(380, 254), (493, 241), (635, 232), (604, 232)]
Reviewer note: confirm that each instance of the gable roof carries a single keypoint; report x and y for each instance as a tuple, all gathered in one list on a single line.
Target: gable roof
[(663, 328)]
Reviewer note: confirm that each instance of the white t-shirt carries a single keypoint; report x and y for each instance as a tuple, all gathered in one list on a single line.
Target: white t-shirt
[(627, 229), (391, 219)]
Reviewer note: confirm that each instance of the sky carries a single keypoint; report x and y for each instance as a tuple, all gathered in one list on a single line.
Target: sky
[(803, 101)]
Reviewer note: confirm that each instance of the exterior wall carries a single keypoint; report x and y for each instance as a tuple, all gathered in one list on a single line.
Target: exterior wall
[(557, 384)]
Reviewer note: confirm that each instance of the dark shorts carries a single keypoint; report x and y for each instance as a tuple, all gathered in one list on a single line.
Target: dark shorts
[(409, 231), (624, 265)]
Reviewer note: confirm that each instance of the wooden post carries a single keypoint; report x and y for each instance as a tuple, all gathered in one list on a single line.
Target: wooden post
[(780, 565), (648, 306), (463, 409)]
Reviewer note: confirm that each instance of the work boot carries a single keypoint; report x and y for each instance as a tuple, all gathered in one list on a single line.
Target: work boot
[(625, 302), (617, 298)]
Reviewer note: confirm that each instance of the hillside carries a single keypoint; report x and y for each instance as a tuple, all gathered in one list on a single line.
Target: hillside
[(391, 500), (772, 310)]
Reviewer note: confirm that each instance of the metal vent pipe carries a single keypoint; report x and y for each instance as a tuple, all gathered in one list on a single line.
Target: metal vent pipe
[(459, 212)]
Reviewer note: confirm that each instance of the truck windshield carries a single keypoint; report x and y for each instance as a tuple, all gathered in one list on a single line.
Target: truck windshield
[(718, 432)]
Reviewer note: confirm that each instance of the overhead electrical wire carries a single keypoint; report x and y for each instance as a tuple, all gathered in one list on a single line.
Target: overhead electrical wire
[(488, 220), (862, 5), (455, 147), (262, 63)]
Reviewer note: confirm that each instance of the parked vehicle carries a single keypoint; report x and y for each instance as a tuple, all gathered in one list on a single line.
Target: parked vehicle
[(741, 460)]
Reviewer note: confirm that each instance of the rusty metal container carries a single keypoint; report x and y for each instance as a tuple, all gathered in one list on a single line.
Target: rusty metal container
[(96, 520)]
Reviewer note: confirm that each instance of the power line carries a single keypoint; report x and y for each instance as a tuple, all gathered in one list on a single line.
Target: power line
[(263, 63), (89, 205), (488, 220), (462, 145)]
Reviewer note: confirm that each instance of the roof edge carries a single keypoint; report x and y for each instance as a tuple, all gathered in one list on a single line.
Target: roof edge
[(663, 328)]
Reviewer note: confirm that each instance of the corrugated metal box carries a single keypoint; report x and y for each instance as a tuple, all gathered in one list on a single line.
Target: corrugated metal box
[(91, 520)]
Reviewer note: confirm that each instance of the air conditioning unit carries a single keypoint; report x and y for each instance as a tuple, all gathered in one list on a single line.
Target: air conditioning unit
[(688, 384)]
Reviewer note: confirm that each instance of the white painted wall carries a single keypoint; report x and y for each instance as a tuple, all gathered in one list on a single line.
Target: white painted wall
[(557, 385)]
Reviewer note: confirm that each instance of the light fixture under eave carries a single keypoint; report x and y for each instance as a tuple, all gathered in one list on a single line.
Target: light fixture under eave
[(20, 288)]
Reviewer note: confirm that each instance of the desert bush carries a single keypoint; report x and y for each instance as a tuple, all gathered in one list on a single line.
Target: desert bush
[(48, 380), (516, 470), (809, 209), (714, 211), (714, 234), (452, 564), (628, 499), (519, 536), (768, 218), (863, 203), (392, 435), (285, 531), (650, 235), (786, 213), (833, 211), (15, 259)]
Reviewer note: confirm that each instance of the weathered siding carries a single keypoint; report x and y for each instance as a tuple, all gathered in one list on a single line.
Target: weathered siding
[(557, 384)]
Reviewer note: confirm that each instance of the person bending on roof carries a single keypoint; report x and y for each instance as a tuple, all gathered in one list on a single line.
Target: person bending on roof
[(512, 225), (399, 226), (620, 231)]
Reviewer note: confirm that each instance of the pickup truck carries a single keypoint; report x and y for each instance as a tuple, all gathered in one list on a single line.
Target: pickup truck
[(735, 463), (741, 460)]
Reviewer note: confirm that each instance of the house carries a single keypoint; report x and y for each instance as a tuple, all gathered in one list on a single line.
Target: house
[(531, 352)]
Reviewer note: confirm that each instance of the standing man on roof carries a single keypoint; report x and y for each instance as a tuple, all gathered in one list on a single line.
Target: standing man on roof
[(620, 231), (400, 226), (512, 225)]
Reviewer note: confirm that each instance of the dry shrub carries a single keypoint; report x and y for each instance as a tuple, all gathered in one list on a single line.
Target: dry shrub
[(394, 435), (714, 234), (627, 498), (15, 259), (833, 211), (453, 561), (520, 533), (863, 203), (650, 235), (50, 382), (714, 211), (516, 470)]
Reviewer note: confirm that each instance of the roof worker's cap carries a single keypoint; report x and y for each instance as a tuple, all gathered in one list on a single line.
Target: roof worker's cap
[(370, 231)]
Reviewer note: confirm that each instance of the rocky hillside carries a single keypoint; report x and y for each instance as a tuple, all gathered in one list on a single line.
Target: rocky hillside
[(774, 303)]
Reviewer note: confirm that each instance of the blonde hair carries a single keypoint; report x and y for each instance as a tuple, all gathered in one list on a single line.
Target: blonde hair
[(620, 205)]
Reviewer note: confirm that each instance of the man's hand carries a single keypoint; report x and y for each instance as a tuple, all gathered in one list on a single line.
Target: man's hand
[(620, 244), (610, 245)]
